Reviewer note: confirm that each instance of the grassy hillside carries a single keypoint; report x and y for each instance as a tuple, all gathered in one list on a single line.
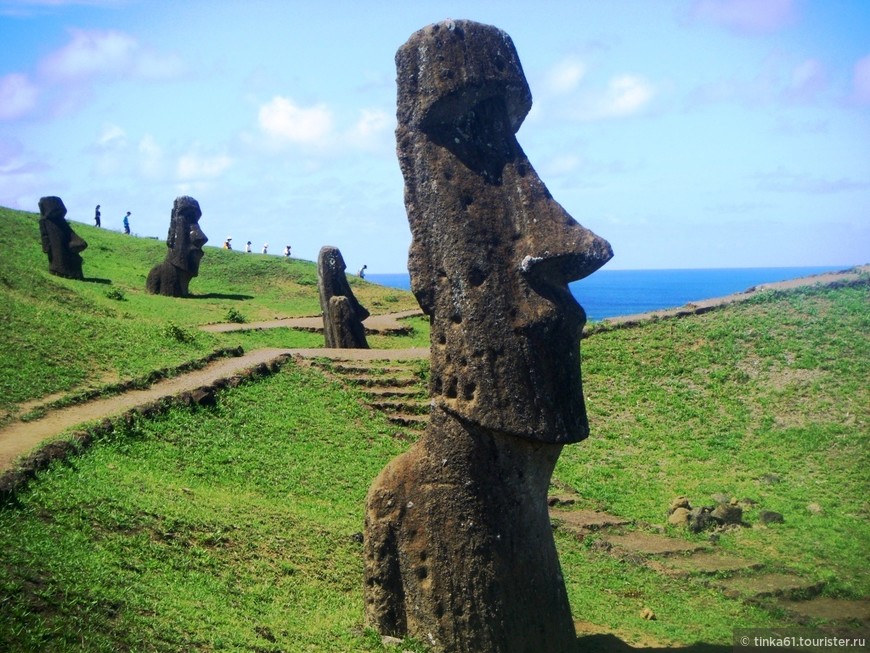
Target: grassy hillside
[(237, 527), (69, 334)]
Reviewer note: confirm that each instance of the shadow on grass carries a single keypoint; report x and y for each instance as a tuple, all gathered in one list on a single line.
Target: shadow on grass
[(612, 644), (218, 295), (107, 282)]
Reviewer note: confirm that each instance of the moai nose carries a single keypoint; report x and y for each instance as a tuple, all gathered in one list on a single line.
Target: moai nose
[(558, 249), (197, 237)]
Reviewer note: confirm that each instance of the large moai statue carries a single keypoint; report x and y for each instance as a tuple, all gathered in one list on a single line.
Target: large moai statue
[(459, 549), (185, 242), (343, 315), (59, 241)]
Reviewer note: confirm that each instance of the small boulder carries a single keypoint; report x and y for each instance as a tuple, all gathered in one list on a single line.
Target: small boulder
[(648, 614), (679, 517), (727, 513), (700, 519), (770, 517), (679, 502), (815, 509)]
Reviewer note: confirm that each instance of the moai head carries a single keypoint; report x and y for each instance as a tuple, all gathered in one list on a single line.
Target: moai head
[(59, 241), (332, 280), (492, 252), (185, 239), (343, 315)]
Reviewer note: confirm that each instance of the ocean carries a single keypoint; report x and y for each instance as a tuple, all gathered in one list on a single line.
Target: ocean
[(611, 293)]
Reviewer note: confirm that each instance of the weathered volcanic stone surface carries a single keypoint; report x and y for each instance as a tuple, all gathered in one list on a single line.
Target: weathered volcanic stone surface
[(459, 550), (62, 245), (185, 242), (343, 315)]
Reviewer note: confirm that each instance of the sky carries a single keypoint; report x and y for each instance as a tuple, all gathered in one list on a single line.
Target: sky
[(688, 133)]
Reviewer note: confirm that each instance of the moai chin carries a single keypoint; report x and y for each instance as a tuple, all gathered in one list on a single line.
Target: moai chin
[(343, 315), (62, 245), (459, 550), (185, 242)]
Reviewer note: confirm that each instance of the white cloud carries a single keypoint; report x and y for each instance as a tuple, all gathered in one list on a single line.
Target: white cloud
[(92, 54), (624, 96), (861, 81), (784, 181), (283, 119), (565, 76), (111, 135), (151, 159), (372, 130), (808, 79), (196, 166), (17, 96), (745, 16)]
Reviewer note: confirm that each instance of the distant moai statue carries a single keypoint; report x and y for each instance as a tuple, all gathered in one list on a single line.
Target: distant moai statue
[(185, 242), (459, 549), (343, 315), (59, 241)]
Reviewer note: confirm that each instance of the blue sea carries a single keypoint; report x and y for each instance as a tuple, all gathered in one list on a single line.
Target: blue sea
[(611, 293)]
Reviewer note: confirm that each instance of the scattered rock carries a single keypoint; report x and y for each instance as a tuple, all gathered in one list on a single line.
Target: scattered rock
[(389, 640), (815, 509), (700, 519), (647, 614), (728, 513), (679, 502), (770, 517), (679, 517), (770, 479)]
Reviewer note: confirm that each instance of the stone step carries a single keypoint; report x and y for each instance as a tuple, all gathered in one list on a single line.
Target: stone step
[(406, 407), (849, 612), (384, 381), (702, 562), (410, 421), (765, 585), (378, 391), (582, 522), (638, 542), (374, 367)]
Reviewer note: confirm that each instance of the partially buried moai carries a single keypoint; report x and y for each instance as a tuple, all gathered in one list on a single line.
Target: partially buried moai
[(59, 241), (459, 550), (185, 242), (343, 315)]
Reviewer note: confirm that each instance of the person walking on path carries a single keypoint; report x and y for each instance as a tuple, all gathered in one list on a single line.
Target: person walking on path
[(97, 216), (287, 251), (248, 247), (362, 272), (265, 248), (127, 223)]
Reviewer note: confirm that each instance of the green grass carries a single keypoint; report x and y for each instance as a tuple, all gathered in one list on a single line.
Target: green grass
[(724, 403), (236, 527)]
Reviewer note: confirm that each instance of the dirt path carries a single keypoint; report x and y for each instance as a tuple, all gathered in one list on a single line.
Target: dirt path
[(385, 324), (19, 438)]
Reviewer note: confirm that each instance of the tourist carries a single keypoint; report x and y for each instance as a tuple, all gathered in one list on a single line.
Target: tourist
[(127, 223), (97, 216), (248, 247), (362, 272), (265, 248), (287, 251), (228, 243)]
